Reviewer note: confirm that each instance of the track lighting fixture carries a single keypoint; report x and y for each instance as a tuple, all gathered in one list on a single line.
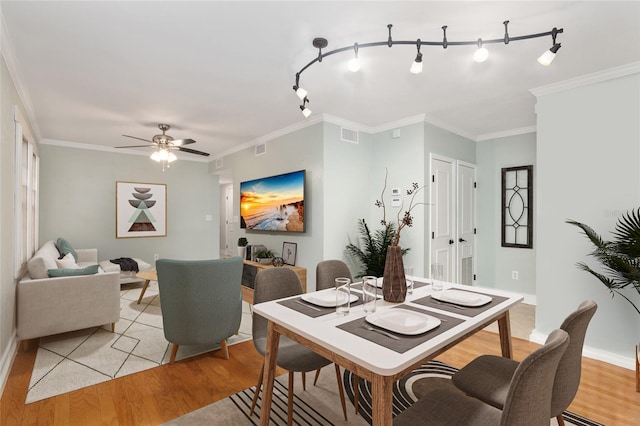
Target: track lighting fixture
[(354, 64), (305, 111), (480, 55), (416, 66), (549, 55)]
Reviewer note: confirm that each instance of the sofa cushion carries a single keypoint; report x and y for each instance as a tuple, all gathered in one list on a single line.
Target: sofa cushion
[(43, 260), (64, 247), (67, 262), (66, 272)]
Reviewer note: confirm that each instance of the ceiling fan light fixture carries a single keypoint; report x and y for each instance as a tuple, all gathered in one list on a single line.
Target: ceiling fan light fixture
[(171, 157), (156, 156)]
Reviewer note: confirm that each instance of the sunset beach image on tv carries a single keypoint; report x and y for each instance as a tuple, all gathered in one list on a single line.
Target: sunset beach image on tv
[(274, 203)]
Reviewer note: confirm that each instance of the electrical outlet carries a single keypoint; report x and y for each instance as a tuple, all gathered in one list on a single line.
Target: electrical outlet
[(156, 256), (514, 275)]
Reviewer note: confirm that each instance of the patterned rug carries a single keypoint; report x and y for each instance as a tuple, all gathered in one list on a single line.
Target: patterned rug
[(70, 361), (319, 405)]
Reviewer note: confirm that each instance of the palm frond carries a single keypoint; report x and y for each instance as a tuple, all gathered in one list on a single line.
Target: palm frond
[(627, 233)]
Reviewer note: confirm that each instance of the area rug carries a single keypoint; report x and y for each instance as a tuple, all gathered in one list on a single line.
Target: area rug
[(70, 361), (320, 405)]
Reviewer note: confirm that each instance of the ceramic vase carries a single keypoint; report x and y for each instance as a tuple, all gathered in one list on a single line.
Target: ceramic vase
[(394, 285)]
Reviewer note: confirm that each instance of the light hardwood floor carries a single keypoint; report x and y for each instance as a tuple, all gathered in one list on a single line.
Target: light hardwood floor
[(607, 393)]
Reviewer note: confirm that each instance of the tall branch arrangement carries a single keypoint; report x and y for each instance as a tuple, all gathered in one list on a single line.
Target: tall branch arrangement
[(403, 218)]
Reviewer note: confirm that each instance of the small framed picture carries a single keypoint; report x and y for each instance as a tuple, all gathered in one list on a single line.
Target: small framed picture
[(141, 210), (289, 251)]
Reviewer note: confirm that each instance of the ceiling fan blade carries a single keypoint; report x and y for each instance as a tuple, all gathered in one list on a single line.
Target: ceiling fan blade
[(192, 151), (135, 137), (136, 146), (180, 142)]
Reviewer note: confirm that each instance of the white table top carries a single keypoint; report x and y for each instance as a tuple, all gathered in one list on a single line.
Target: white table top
[(374, 357)]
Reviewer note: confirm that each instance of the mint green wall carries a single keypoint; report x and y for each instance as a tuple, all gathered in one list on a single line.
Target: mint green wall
[(404, 158), (302, 149), (347, 176), (496, 262), (77, 202), (588, 149), (8, 101)]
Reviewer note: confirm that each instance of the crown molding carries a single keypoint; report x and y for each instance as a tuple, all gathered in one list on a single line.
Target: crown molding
[(112, 150), (506, 133), (587, 79), (11, 61)]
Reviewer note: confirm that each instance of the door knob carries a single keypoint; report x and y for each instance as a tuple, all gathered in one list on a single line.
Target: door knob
[(462, 240), (451, 241)]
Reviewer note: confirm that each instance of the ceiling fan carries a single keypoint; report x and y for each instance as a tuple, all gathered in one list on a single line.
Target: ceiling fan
[(166, 142)]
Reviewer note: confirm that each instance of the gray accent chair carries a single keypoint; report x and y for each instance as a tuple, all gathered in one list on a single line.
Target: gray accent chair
[(487, 377), (272, 284), (201, 301), (528, 400)]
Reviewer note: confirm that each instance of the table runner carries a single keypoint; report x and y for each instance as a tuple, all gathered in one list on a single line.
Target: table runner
[(468, 311), (404, 342), (311, 310)]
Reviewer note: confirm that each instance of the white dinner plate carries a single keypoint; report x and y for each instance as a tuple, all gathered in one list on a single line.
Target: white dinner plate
[(403, 321), (327, 298), (379, 281), (464, 298)]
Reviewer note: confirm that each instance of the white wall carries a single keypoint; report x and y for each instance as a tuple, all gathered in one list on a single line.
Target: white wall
[(497, 262), (588, 151)]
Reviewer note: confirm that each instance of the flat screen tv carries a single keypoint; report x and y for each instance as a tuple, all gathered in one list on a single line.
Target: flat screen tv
[(274, 203)]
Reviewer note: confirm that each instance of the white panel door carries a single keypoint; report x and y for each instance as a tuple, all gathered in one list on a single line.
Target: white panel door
[(442, 219), (466, 222)]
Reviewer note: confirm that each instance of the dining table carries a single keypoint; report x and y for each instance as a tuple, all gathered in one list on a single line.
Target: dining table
[(382, 354)]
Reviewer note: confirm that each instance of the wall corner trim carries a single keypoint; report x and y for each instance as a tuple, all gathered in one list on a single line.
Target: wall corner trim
[(584, 80)]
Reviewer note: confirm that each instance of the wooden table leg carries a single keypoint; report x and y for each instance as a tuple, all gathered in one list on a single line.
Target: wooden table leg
[(382, 401), (504, 327), (270, 358), (144, 288)]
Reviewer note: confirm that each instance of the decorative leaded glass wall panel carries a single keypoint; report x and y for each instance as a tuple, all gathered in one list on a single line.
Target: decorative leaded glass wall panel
[(517, 207)]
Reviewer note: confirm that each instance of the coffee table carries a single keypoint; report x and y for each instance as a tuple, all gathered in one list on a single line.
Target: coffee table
[(147, 276)]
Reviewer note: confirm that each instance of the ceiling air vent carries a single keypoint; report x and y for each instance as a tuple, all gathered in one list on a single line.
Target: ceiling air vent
[(219, 163), (261, 149), (349, 135)]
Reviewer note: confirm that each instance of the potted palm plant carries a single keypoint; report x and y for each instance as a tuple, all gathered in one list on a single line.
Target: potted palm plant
[(620, 258), (371, 250)]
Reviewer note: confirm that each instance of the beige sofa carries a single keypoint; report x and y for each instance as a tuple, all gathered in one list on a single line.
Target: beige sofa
[(51, 305)]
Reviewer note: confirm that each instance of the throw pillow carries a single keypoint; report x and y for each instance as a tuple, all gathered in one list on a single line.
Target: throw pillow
[(67, 262), (89, 270), (64, 247)]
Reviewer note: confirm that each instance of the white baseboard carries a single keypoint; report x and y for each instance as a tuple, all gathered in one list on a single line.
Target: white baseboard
[(7, 361), (593, 353)]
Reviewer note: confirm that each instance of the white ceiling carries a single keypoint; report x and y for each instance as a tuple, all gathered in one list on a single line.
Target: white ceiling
[(222, 72)]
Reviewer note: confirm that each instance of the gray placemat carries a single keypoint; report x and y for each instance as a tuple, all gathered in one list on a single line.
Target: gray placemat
[(311, 310), (468, 311), (404, 342)]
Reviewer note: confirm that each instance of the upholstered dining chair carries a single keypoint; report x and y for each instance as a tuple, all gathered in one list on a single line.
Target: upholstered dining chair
[(328, 270), (276, 283), (487, 377), (527, 403), (326, 273), (201, 301)]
